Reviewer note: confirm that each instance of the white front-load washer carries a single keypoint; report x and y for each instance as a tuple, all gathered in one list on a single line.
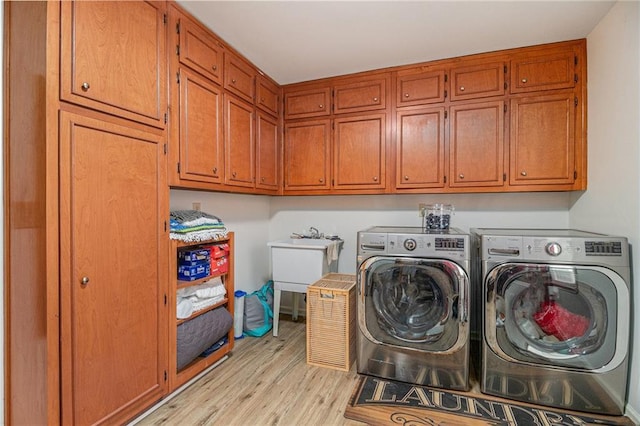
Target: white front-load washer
[(556, 313), (413, 306)]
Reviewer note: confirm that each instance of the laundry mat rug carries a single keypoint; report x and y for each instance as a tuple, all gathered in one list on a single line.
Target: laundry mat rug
[(384, 402)]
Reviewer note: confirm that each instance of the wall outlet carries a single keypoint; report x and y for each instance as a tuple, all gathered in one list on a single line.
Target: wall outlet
[(196, 205)]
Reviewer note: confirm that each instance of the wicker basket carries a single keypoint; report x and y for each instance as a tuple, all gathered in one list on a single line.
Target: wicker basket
[(331, 321)]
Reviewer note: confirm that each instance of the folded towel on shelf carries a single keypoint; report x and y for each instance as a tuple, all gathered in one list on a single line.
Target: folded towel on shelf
[(191, 215), (214, 287), (197, 236), (184, 308)]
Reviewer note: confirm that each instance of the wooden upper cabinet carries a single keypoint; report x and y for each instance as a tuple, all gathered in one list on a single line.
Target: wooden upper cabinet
[(307, 103), (267, 95), (478, 81), (307, 154), (239, 142), (103, 69), (476, 152), (420, 158), (542, 140), (239, 77), (199, 50), (418, 88), (360, 95), (547, 70), (201, 144), (267, 152), (360, 152)]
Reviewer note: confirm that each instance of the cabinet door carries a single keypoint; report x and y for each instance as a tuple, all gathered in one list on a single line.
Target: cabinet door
[(201, 145), (477, 145), (267, 95), (478, 81), (359, 159), (199, 50), (239, 142), (360, 96), (420, 156), (113, 257), (418, 88), (267, 152), (239, 77), (307, 103), (307, 153), (544, 71), (542, 140), (113, 58)]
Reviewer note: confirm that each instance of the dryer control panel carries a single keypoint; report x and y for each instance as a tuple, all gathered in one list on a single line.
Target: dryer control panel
[(560, 249)]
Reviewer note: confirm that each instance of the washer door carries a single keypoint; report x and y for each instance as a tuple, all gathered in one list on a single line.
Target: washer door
[(557, 315), (416, 303)]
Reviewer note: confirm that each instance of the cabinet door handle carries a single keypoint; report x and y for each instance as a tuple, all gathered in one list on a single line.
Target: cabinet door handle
[(233, 80), (406, 95), (523, 173), (375, 99), (406, 177), (462, 88), (375, 178), (85, 86), (461, 176), (215, 68), (262, 179), (321, 106), (524, 80), (233, 174), (321, 180), (84, 280), (261, 100), (215, 170)]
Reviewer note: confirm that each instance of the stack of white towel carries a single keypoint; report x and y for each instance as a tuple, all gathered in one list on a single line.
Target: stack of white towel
[(195, 298)]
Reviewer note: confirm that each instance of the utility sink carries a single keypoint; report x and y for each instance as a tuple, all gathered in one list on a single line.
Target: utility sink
[(298, 262)]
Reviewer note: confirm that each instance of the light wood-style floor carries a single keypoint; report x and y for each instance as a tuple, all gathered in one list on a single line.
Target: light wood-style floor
[(265, 381)]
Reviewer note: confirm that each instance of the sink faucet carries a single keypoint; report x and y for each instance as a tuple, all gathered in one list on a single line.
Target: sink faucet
[(314, 232)]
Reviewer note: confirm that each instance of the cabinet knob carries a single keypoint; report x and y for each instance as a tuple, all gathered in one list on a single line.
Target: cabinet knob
[(461, 176), (462, 88), (321, 106), (85, 86), (215, 68), (406, 177), (233, 80), (262, 179), (524, 80), (321, 180), (233, 174), (215, 170), (84, 280), (262, 100), (375, 99), (406, 95), (375, 178), (523, 173)]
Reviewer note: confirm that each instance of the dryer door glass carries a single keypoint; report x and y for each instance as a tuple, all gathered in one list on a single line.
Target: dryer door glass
[(558, 313), (414, 302)]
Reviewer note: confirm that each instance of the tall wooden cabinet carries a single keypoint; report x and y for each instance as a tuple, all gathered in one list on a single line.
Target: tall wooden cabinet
[(86, 197)]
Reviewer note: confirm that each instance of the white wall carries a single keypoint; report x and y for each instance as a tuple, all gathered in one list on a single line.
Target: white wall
[(612, 202), (346, 215)]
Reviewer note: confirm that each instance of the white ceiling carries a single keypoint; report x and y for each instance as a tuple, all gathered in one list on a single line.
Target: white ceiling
[(295, 41)]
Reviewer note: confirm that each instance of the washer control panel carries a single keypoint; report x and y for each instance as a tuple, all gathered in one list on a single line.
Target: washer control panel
[(452, 246)]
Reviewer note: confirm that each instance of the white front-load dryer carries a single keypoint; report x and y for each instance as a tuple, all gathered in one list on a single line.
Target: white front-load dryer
[(556, 319), (413, 306)]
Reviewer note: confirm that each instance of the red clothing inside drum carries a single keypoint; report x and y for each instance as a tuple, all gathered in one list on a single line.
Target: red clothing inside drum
[(557, 321)]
